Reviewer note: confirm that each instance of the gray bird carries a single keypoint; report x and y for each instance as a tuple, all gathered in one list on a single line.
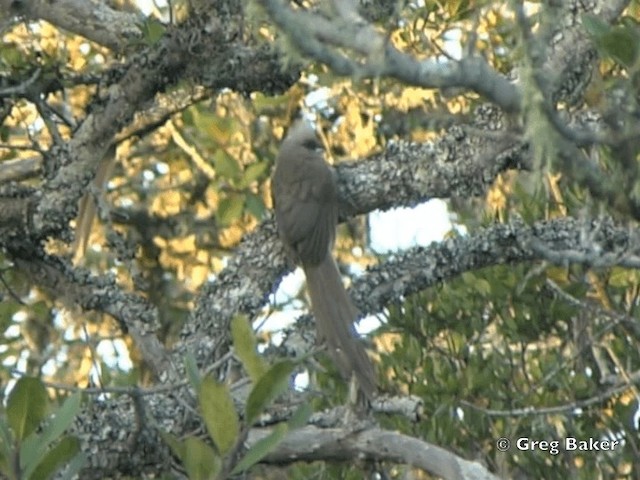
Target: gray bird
[(305, 196)]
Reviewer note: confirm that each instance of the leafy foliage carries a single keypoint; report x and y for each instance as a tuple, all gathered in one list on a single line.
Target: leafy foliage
[(201, 461), (33, 444)]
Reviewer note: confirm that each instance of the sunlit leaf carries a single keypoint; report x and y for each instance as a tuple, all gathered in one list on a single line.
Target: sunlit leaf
[(262, 448), (176, 446), (55, 458), (244, 344), (219, 129), (225, 165), (11, 56), (199, 460), (219, 414), (270, 385), (152, 31), (191, 367), (265, 104), (230, 209), (35, 446), (26, 406), (254, 172), (255, 206)]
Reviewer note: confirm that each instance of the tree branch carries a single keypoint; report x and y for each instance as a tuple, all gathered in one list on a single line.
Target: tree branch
[(77, 287), (312, 444), (582, 242), (93, 20), (312, 33)]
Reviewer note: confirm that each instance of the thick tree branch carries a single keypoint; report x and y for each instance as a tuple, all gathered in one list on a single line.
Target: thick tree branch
[(259, 264), (77, 287), (312, 443), (71, 166), (324, 439), (594, 243), (93, 20), (312, 33)]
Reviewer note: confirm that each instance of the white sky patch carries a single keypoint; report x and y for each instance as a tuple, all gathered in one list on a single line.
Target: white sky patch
[(402, 228), (452, 44), (116, 350), (289, 287), (148, 6), (318, 99), (162, 168)]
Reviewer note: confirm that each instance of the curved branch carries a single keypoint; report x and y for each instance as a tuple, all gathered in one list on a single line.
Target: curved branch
[(591, 243), (93, 20), (313, 444), (78, 287), (312, 33), (260, 262), (175, 413)]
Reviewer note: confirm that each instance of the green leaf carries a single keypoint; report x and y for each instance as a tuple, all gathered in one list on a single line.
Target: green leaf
[(55, 458), (11, 56), (621, 44), (4, 133), (188, 116), (26, 406), (244, 344), (595, 26), (199, 460), (152, 31), (482, 286), (255, 206), (4, 468), (5, 434), (268, 104), (270, 385), (226, 166), (41, 309), (255, 171), (300, 417), (219, 129), (6, 453), (76, 464), (262, 448), (35, 446), (230, 209), (191, 367), (176, 446), (219, 414), (8, 308)]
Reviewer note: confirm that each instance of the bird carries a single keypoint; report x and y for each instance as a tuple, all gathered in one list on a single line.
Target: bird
[(305, 197)]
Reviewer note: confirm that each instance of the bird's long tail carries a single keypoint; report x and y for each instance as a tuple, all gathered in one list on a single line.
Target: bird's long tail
[(335, 313)]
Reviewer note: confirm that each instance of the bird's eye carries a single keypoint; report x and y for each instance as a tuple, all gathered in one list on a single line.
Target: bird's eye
[(313, 144)]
